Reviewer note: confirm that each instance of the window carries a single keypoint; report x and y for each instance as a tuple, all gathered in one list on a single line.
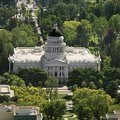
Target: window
[(55, 74)]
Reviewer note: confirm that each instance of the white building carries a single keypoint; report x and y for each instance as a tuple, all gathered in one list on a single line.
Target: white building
[(5, 90), (54, 57)]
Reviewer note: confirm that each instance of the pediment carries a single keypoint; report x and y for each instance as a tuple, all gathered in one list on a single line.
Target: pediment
[(56, 62)]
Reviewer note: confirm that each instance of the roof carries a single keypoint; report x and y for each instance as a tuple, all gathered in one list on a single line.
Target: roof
[(79, 54), (4, 88), (34, 54), (55, 32), (27, 54), (26, 112)]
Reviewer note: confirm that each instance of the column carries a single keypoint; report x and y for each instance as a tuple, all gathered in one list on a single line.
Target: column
[(66, 72), (49, 71), (9, 66), (52, 71), (58, 72)]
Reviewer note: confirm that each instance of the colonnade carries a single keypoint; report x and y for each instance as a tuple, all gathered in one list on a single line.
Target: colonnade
[(54, 50), (58, 71)]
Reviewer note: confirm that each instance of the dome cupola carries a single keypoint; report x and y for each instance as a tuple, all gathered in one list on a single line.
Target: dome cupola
[(55, 32)]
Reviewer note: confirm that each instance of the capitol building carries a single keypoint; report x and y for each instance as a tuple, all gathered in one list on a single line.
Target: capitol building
[(54, 57)]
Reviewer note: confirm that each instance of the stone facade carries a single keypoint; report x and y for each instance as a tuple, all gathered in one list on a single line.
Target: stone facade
[(54, 57)]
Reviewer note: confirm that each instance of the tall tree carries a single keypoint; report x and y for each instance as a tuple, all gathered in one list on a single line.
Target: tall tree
[(109, 8), (91, 104), (61, 11), (52, 85), (83, 31), (69, 30), (6, 48), (101, 26), (72, 11), (115, 22)]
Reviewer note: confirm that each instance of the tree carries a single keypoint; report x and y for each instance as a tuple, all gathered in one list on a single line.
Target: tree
[(33, 75), (4, 98), (112, 88), (115, 54), (115, 22), (30, 96), (83, 77), (83, 31), (69, 30), (54, 109), (61, 11), (13, 80), (6, 48), (91, 104), (97, 9), (24, 36), (109, 6), (107, 61), (51, 84), (47, 23), (72, 11), (6, 13), (101, 26), (109, 40), (92, 85), (110, 74)]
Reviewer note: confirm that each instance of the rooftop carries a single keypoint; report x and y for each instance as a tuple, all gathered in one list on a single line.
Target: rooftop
[(5, 90), (79, 54), (27, 54), (34, 54)]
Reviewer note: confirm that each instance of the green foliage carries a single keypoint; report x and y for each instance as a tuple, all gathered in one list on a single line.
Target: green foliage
[(112, 88), (107, 62), (111, 73), (51, 87), (4, 98), (35, 76), (24, 36), (115, 22), (12, 80), (61, 11), (31, 96), (6, 14), (91, 104), (111, 7), (115, 54), (54, 109), (69, 29), (83, 31), (101, 26), (6, 48), (72, 11), (83, 77), (47, 23)]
